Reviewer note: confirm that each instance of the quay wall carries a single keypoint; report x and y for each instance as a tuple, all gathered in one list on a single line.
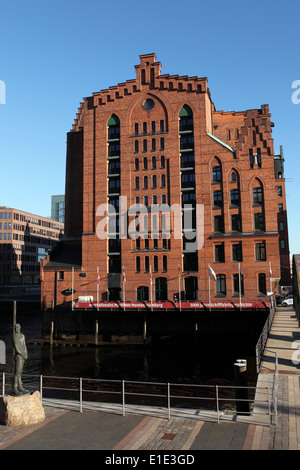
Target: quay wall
[(220, 329)]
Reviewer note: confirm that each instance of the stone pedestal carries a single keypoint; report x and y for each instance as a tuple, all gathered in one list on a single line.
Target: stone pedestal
[(20, 410)]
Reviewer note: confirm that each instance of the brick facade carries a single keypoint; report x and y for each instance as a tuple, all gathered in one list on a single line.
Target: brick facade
[(159, 138)]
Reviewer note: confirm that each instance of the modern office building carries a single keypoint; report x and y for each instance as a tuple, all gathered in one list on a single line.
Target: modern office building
[(24, 240), (58, 208), (168, 198)]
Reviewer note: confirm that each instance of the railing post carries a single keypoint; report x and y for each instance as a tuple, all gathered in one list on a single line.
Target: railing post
[(3, 384), (41, 387), (80, 394), (169, 401), (217, 400), (123, 397)]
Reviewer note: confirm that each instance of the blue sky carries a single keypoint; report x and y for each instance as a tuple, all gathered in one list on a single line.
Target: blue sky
[(55, 53)]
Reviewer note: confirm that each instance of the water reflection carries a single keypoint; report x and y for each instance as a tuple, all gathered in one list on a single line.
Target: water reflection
[(182, 365)]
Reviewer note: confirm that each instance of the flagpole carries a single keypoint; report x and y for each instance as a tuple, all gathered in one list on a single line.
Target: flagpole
[(240, 285), (209, 289), (72, 285), (271, 281), (179, 287), (123, 288), (98, 288), (151, 289)]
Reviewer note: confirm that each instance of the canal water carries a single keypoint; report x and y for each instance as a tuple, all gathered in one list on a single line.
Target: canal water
[(182, 365)]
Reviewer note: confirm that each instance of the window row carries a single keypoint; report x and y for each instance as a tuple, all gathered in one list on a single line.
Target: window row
[(144, 163), (146, 200), (238, 284), (147, 181), (153, 145), (6, 226), (146, 127), (235, 200), (236, 224), (146, 264), (152, 244), (237, 252)]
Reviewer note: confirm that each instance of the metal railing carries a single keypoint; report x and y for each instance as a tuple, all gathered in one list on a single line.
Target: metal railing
[(262, 340), (165, 398)]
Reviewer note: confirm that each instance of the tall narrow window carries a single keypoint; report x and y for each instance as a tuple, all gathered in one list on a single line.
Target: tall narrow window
[(137, 182), (219, 253), (235, 197), (238, 285), (145, 163), (221, 285), (258, 197), (165, 264), (237, 253), (155, 269), (136, 146), (260, 251), (262, 287), (218, 199), (216, 174), (137, 264), (136, 164), (145, 182), (153, 163), (146, 264), (163, 181)]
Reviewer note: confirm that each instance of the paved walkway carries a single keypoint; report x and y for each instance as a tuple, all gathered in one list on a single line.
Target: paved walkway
[(94, 430)]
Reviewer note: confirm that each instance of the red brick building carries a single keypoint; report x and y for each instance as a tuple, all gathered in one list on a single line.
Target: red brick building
[(158, 140)]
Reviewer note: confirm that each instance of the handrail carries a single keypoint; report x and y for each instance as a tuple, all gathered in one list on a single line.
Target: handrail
[(79, 387)]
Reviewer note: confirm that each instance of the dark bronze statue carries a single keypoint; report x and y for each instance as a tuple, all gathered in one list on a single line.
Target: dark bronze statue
[(20, 356)]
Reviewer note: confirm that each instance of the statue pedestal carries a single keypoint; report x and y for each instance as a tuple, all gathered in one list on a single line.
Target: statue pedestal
[(21, 410)]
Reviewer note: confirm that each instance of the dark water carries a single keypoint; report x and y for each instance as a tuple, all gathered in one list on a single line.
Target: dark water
[(176, 365)]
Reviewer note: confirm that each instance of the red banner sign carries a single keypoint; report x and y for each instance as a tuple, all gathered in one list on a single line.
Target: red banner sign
[(171, 305)]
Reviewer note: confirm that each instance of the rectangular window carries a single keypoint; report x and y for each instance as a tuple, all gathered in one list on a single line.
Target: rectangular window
[(282, 244), (237, 252), (60, 275), (216, 174), (218, 199), (137, 264), (262, 287), (221, 285), (136, 128), (238, 284), (279, 190), (155, 269), (146, 264), (260, 251), (235, 223), (235, 197), (218, 223), (259, 222), (165, 264), (153, 126), (219, 253), (280, 207), (258, 198), (281, 226)]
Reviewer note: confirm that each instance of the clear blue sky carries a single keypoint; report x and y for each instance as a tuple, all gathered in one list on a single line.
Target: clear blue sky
[(54, 53)]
